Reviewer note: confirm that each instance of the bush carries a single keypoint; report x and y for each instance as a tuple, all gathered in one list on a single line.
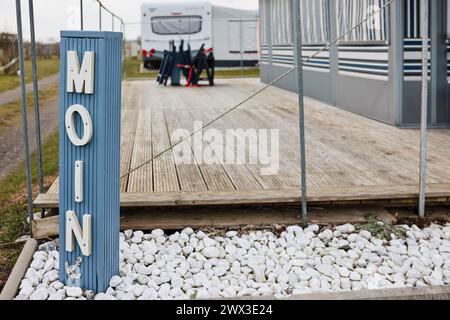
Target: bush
[(8, 52)]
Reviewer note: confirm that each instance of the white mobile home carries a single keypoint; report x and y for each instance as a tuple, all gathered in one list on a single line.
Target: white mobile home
[(374, 70), (232, 33)]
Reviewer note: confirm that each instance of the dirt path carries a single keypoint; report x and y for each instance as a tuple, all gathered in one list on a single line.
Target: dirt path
[(11, 143), (14, 94)]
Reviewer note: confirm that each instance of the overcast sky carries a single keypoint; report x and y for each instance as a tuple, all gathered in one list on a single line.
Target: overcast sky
[(51, 16)]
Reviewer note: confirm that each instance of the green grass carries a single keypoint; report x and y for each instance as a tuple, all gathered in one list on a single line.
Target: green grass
[(13, 204), (132, 70), (46, 67), (10, 114), (382, 229)]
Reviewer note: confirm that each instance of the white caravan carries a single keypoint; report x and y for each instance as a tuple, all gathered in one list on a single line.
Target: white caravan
[(232, 33)]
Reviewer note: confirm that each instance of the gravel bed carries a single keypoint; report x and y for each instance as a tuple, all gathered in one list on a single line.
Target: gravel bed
[(195, 265)]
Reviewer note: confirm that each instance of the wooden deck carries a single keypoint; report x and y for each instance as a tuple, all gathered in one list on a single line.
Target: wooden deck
[(350, 158)]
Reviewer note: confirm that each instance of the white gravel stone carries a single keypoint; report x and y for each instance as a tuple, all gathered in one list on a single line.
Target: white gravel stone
[(52, 275), (39, 294), (157, 233), (231, 234), (355, 276), (343, 272), (26, 291), (37, 264), (190, 264), (40, 255), (187, 231), (244, 244), (208, 242), (211, 252), (326, 235), (74, 292), (115, 281)]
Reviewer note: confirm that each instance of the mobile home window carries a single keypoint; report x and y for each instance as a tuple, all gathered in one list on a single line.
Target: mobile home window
[(280, 22), (448, 19), (413, 21), (249, 30), (263, 12), (351, 12), (315, 21), (176, 25)]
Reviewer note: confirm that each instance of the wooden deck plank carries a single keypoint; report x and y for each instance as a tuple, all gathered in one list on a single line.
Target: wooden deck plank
[(165, 177), (129, 120), (215, 176), (266, 182), (256, 197), (189, 175), (54, 188), (239, 174), (222, 217), (141, 180), (345, 151)]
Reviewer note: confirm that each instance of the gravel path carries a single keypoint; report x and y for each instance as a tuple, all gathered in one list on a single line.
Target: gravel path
[(11, 143), (193, 265), (15, 94)]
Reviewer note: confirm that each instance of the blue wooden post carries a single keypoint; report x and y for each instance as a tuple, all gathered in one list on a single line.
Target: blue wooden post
[(89, 157)]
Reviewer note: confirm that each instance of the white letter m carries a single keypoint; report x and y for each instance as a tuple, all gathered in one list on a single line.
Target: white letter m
[(80, 80)]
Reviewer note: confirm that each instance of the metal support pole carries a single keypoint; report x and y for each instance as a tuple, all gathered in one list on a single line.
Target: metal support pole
[(100, 16), (124, 52), (37, 118), (424, 107), (241, 41), (24, 109), (298, 52), (81, 14)]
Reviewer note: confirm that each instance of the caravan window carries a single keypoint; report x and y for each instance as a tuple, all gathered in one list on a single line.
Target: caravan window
[(176, 25)]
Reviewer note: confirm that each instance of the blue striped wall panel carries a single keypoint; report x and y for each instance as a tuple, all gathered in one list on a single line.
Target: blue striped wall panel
[(101, 157)]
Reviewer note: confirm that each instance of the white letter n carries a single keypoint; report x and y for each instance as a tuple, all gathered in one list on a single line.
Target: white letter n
[(83, 237), (80, 80)]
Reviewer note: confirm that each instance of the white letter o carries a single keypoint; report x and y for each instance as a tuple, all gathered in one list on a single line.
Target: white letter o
[(70, 125)]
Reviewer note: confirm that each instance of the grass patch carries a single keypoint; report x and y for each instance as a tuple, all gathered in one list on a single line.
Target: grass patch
[(46, 67), (13, 203), (382, 229), (11, 113), (132, 69)]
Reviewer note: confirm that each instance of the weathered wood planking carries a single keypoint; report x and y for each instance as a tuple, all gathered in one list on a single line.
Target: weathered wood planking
[(435, 192), (129, 121), (141, 179), (165, 176), (348, 156), (223, 217), (189, 175)]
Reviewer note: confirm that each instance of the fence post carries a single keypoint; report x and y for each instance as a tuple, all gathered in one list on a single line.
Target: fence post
[(124, 52), (299, 59), (424, 107), (36, 99), (81, 15), (241, 44), (100, 16), (24, 109)]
